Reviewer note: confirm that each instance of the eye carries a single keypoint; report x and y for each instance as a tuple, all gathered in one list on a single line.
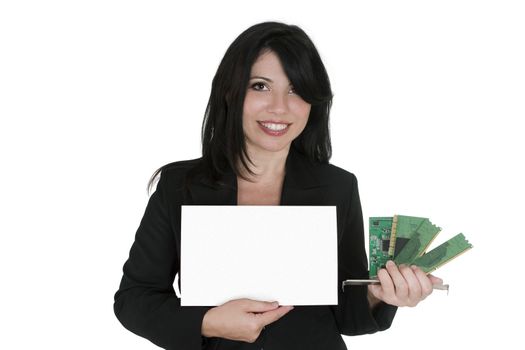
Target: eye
[(257, 86), (292, 90)]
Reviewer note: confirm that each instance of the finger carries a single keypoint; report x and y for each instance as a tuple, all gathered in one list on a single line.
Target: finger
[(273, 315), (386, 290), (414, 287), (424, 281), (434, 279), (400, 284), (250, 305)]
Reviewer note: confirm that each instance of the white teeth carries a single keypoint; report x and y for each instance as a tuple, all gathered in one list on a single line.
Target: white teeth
[(276, 127)]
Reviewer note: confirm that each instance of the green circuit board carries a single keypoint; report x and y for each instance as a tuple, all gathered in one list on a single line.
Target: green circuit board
[(403, 228), (405, 239), (380, 229), (418, 243), (443, 253)]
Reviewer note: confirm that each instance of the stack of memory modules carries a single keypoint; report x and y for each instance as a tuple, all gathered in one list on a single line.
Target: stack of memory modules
[(405, 239)]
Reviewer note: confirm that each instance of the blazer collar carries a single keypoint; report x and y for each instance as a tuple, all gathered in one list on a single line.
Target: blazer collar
[(300, 174)]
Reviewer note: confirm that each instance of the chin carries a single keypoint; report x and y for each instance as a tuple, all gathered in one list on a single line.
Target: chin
[(271, 147)]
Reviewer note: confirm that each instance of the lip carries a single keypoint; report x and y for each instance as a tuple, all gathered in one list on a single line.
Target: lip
[(273, 132), (273, 121)]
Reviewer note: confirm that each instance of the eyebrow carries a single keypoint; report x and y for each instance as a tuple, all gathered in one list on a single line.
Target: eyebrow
[(264, 78), (259, 77)]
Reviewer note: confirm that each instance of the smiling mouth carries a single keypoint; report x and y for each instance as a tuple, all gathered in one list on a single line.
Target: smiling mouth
[(274, 129), (273, 126)]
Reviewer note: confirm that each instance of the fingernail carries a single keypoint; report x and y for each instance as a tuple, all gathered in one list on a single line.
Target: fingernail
[(389, 263)]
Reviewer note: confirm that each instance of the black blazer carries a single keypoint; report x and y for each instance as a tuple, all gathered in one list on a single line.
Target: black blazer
[(147, 305)]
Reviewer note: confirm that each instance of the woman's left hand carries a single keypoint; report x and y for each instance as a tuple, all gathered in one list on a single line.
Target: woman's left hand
[(402, 286)]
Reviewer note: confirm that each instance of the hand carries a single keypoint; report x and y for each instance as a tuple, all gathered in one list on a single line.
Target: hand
[(403, 286), (241, 319)]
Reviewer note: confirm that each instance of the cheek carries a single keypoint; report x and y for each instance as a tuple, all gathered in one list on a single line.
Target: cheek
[(252, 104), (302, 110)]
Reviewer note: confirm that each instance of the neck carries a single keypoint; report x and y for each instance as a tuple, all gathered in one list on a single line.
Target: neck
[(267, 165)]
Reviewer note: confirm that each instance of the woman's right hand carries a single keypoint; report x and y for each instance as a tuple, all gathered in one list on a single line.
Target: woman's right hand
[(241, 319)]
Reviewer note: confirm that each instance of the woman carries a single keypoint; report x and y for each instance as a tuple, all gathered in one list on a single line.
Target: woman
[(265, 141)]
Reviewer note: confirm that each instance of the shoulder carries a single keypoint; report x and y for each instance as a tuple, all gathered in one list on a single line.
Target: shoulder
[(173, 175), (339, 173), (180, 166), (335, 175)]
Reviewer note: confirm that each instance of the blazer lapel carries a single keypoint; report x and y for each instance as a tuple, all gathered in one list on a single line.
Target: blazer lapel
[(303, 182)]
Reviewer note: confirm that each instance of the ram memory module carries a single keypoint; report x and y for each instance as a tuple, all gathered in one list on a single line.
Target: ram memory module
[(418, 243), (403, 228), (443, 253)]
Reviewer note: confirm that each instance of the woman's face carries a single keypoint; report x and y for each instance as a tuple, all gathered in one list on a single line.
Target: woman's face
[(273, 114)]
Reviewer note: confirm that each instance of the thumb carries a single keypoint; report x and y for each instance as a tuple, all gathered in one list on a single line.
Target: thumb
[(273, 315), (435, 280), (260, 306)]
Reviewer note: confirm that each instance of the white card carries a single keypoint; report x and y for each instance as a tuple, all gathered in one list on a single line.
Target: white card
[(270, 253)]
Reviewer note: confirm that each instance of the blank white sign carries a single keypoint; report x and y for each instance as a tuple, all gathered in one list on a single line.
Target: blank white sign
[(271, 253)]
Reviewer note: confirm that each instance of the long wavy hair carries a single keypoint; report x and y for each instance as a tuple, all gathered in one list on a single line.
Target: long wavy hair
[(222, 135)]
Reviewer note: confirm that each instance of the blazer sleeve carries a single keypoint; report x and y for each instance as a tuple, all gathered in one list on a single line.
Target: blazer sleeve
[(146, 303), (353, 315)]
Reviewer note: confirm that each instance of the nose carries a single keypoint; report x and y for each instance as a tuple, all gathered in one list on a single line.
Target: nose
[(278, 104)]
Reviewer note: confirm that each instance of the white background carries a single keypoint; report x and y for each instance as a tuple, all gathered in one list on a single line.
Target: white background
[(96, 95)]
